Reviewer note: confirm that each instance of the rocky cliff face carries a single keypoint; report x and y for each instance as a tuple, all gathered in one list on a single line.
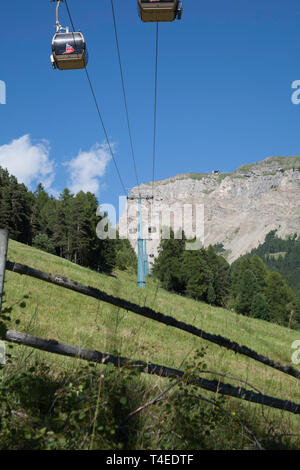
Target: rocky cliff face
[(236, 209)]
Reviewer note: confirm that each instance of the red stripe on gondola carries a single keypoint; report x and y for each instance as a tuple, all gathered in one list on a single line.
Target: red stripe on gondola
[(69, 50)]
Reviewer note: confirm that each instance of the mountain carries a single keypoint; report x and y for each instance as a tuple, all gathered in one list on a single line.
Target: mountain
[(236, 210)]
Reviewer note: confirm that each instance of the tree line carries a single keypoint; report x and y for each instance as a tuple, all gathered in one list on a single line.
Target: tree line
[(247, 287), (282, 256), (64, 226)]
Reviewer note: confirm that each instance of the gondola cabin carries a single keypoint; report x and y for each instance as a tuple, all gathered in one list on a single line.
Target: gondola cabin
[(159, 10), (69, 51)]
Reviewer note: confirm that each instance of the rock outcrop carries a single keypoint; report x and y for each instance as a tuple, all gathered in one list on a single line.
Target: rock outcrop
[(236, 209)]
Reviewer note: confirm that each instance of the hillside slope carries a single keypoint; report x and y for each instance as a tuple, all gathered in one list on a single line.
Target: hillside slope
[(56, 313)]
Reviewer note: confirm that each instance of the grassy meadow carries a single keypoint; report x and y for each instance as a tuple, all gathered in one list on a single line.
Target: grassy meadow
[(52, 312)]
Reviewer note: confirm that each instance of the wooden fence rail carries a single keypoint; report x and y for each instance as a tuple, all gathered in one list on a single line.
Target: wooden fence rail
[(55, 347), (151, 314)]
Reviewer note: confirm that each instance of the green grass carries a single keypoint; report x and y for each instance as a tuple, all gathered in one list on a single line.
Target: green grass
[(286, 163), (245, 168), (56, 313)]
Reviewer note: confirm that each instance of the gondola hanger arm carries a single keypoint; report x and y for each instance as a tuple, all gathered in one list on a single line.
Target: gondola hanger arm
[(58, 25)]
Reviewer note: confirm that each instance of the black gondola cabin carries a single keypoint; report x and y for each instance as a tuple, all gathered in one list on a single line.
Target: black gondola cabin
[(69, 51), (159, 10)]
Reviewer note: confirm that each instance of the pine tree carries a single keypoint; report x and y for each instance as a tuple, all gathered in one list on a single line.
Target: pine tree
[(211, 295), (260, 271), (49, 214), (168, 265), (220, 269), (39, 219), (81, 229), (248, 288), (42, 242), (279, 297), (107, 256), (237, 270), (16, 209), (63, 235), (5, 201), (197, 274), (260, 308), (125, 254)]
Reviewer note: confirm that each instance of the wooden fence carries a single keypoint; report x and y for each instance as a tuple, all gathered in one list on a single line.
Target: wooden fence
[(55, 347)]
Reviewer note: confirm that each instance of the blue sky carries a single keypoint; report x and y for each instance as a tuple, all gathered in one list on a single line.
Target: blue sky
[(224, 92)]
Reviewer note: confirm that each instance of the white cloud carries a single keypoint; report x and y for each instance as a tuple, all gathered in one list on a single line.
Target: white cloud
[(27, 161), (86, 169), (30, 162)]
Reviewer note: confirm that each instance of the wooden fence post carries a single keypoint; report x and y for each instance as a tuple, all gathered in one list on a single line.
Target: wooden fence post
[(4, 234)]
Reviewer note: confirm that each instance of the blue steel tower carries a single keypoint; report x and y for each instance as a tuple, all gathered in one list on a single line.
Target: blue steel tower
[(143, 266)]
